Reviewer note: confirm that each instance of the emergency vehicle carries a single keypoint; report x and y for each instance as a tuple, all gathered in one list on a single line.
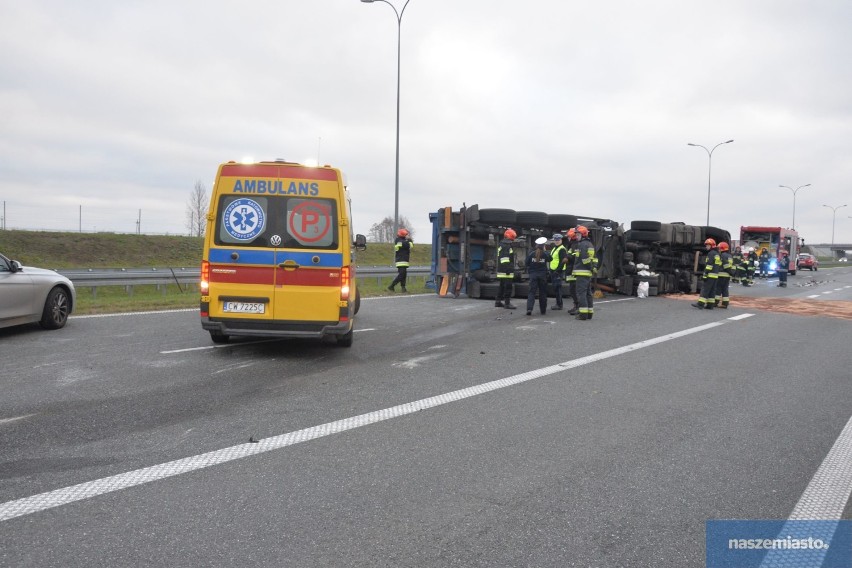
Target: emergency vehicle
[(776, 240), (279, 254)]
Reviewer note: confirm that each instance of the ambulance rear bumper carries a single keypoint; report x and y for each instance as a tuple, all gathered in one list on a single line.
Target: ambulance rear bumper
[(275, 328)]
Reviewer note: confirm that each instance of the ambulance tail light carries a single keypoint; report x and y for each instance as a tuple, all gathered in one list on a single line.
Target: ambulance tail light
[(344, 283), (204, 285)]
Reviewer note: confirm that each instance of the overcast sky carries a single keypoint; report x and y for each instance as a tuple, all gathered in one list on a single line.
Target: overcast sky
[(548, 105)]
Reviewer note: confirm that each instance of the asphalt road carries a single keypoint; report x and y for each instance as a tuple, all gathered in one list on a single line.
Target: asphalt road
[(533, 441)]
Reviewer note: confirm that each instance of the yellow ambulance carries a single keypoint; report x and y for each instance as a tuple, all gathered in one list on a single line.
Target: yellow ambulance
[(279, 253)]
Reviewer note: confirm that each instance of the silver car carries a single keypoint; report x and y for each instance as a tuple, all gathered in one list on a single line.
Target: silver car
[(34, 295)]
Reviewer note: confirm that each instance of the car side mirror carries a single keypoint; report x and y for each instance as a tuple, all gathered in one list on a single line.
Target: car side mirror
[(360, 242), (16, 266)]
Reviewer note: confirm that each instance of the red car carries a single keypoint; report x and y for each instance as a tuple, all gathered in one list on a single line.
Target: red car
[(808, 261)]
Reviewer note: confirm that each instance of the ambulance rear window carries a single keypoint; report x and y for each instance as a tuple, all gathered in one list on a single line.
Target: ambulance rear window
[(277, 222)]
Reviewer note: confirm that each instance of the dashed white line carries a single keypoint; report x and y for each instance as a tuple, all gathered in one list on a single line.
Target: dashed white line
[(814, 296), (66, 495)]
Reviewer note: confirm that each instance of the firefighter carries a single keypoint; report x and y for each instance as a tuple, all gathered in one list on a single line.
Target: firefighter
[(712, 266), (506, 269), (783, 267), (739, 268), (559, 258), (764, 263), (751, 262), (723, 283), (537, 262), (569, 271), (585, 266), (402, 254)]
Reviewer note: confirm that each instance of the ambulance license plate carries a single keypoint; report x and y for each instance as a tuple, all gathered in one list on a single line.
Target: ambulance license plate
[(244, 307)]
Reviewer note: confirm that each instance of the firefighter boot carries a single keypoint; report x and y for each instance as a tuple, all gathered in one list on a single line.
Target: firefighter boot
[(391, 288), (582, 316), (403, 290), (590, 314), (498, 304), (724, 305), (509, 306), (574, 311)]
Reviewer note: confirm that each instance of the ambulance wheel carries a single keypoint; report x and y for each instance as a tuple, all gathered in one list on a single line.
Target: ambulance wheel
[(219, 337), (357, 304), (346, 339)]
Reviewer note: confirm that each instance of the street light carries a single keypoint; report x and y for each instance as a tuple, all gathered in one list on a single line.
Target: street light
[(398, 57), (833, 217), (795, 191), (709, 166)]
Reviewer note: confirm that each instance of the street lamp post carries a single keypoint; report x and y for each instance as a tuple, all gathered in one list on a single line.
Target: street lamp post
[(398, 58), (795, 191), (709, 166), (833, 218)]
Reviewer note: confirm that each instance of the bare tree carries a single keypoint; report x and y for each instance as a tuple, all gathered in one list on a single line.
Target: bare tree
[(383, 231), (196, 210)]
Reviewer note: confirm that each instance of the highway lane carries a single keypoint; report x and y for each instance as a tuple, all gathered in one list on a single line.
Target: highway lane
[(824, 284), (616, 462)]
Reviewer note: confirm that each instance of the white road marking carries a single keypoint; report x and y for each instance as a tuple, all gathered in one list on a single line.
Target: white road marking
[(86, 490), (740, 317), (814, 296), (827, 292), (838, 289), (135, 313), (14, 419), (824, 499)]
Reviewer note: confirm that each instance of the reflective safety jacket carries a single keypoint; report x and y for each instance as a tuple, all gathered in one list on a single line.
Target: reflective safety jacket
[(784, 264), (727, 260), (585, 263), (737, 260), (505, 259), (559, 257), (402, 251), (569, 265), (712, 264), (751, 261)]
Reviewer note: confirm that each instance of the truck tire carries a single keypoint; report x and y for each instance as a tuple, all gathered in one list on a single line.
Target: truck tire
[(489, 290), (503, 217), (560, 222), (645, 225), (531, 219), (521, 290)]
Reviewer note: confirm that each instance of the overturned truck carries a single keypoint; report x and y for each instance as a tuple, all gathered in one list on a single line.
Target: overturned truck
[(669, 256)]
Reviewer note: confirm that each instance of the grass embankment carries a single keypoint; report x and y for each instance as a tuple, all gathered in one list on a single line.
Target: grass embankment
[(109, 250)]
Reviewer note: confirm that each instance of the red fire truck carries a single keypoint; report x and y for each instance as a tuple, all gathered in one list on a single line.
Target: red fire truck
[(776, 240)]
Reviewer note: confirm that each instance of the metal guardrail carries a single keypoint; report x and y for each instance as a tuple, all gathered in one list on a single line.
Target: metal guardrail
[(96, 277)]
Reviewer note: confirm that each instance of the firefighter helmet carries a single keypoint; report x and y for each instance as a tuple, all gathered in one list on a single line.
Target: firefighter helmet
[(402, 233), (572, 233), (723, 247), (584, 232), (510, 234), (710, 242)]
